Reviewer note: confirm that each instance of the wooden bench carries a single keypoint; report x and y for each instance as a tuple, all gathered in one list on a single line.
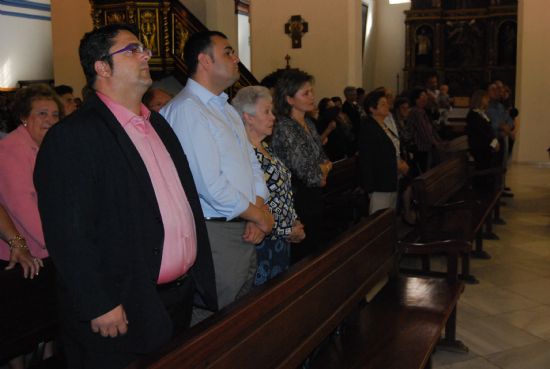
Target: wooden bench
[(28, 311), (344, 199), (448, 208), (289, 320)]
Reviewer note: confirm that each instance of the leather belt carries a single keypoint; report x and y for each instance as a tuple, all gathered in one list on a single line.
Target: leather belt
[(223, 219), (174, 284)]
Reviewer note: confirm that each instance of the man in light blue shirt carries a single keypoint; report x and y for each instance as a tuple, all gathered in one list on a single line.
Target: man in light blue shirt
[(227, 174)]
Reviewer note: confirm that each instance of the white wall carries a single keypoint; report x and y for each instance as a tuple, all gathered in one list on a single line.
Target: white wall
[(331, 49), (244, 39), (533, 81), (385, 49), (25, 48)]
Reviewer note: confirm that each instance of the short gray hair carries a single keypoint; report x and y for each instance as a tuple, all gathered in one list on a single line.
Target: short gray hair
[(246, 99)]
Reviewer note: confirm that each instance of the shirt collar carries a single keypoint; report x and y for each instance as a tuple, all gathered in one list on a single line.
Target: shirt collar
[(122, 114), (204, 95)]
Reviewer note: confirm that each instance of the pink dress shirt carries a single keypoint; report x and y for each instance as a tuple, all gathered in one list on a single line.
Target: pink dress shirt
[(17, 194), (180, 240)]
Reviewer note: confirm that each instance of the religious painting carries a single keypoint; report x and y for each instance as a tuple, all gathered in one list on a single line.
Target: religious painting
[(424, 40), (507, 43), (465, 43)]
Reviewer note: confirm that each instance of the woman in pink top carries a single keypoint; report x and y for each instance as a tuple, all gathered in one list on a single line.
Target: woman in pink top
[(37, 108)]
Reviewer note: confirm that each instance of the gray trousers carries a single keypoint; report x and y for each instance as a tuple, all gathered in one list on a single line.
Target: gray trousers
[(234, 260), (234, 263)]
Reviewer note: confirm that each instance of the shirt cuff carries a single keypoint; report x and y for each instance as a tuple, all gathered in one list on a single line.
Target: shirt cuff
[(261, 190), (242, 205)]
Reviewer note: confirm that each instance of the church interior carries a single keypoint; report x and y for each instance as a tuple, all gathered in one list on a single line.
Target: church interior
[(463, 285)]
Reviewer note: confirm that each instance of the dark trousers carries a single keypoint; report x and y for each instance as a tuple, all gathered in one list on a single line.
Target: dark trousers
[(178, 300), (308, 202)]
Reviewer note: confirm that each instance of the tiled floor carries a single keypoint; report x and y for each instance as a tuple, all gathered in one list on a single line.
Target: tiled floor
[(505, 319)]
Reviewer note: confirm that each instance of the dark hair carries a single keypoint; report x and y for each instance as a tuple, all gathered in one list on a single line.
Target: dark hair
[(360, 91), (270, 80), (24, 97), (400, 100), (63, 89), (372, 99), (287, 85), (336, 99), (323, 103), (198, 43), (95, 46), (415, 94)]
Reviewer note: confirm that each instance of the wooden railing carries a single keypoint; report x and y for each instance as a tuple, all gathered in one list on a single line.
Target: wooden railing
[(164, 27)]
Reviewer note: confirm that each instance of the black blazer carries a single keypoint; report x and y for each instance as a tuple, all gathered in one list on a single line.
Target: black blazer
[(104, 230), (377, 158), (480, 134)]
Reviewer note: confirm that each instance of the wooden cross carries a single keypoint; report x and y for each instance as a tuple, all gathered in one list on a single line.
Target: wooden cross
[(287, 58), (295, 28)]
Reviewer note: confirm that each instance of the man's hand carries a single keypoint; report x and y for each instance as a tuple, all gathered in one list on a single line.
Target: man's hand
[(112, 323), (252, 233)]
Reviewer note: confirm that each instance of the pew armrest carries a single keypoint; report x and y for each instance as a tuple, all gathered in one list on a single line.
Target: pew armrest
[(451, 206), (452, 248)]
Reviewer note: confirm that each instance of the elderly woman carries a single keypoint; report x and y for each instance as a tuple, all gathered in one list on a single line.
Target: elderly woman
[(379, 154), (37, 108), (482, 140), (296, 142), (255, 107)]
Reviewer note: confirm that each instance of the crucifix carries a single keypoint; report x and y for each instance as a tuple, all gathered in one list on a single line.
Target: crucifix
[(287, 58), (295, 28)]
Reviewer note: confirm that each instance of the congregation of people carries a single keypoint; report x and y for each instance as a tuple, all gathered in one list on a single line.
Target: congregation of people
[(158, 210)]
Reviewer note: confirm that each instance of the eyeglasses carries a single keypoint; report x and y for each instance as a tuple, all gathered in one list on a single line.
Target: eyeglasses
[(134, 49)]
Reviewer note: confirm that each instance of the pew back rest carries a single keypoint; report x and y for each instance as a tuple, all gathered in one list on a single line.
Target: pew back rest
[(343, 176), (439, 184), (279, 325)]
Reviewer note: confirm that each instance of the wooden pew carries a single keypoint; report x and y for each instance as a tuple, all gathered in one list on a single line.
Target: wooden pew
[(282, 324), (344, 199), (448, 208)]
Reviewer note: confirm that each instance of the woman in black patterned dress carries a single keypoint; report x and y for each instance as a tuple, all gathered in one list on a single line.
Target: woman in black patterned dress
[(296, 142), (255, 107)]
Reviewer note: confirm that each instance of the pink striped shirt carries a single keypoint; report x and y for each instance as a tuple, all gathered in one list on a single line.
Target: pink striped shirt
[(180, 240), (17, 194)]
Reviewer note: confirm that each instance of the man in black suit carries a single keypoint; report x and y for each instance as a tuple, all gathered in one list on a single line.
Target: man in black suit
[(121, 215)]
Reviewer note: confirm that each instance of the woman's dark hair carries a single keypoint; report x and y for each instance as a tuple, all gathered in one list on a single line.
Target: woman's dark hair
[(95, 46), (198, 43), (287, 85), (24, 97), (415, 94), (400, 100), (323, 104), (372, 99)]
